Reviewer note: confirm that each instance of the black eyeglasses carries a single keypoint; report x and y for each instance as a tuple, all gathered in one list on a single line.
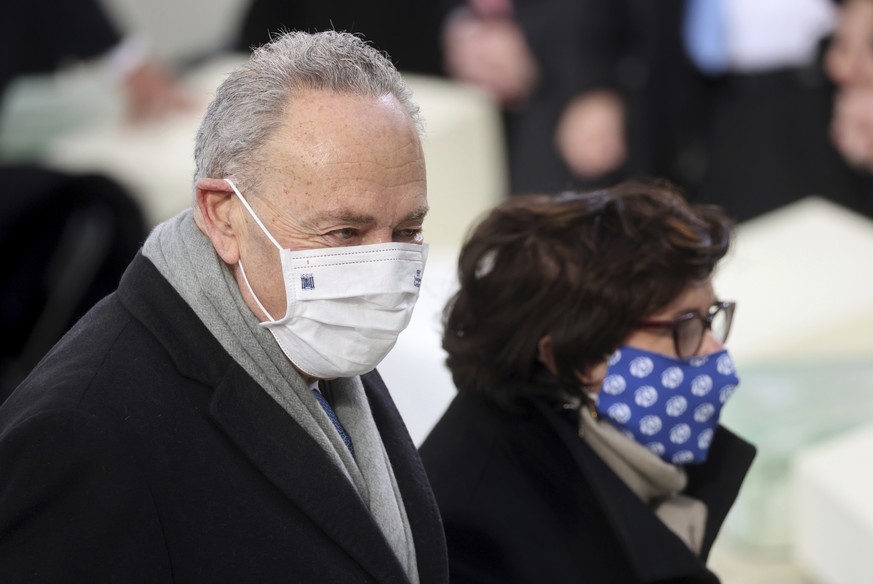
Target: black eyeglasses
[(689, 329)]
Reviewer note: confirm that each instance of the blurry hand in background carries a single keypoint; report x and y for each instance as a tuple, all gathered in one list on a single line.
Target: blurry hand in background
[(491, 53), (849, 63), (852, 126), (153, 92), (590, 135)]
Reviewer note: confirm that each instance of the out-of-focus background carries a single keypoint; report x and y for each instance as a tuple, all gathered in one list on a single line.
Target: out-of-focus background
[(762, 106)]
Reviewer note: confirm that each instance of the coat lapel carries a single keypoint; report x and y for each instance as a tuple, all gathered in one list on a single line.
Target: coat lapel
[(418, 498), (286, 454), (282, 450), (717, 482), (653, 550)]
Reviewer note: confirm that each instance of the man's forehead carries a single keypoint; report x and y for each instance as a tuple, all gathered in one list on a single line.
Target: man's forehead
[(314, 107), (319, 128), (352, 158), (353, 215)]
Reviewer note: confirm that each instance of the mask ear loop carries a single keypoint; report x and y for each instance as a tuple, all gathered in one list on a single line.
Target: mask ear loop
[(252, 213), (267, 233), (252, 292)]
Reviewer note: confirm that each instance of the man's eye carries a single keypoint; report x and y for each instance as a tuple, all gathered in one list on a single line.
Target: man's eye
[(413, 235), (346, 233)]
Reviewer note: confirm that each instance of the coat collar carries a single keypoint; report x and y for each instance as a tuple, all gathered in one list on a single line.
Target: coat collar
[(418, 498), (654, 551), (279, 448), (717, 482)]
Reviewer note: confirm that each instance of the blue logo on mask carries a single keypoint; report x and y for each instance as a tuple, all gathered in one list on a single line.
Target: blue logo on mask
[(417, 279), (307, 282)]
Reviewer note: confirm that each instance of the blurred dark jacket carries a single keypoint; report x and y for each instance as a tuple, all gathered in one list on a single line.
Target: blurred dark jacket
[(407, 31)]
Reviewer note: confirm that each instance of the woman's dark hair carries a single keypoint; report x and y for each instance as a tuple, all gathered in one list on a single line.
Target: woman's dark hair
[(584, 268)]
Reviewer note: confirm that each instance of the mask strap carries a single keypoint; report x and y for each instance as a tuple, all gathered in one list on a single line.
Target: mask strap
[(255, 296), (252, 213)]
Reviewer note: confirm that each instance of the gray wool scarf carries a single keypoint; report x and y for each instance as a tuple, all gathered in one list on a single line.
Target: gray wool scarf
[(184, 255)]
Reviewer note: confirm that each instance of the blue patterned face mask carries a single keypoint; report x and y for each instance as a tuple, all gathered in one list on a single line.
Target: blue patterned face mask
[(669, 406)]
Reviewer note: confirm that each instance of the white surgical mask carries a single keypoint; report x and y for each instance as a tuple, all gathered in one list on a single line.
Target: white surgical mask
[(345, 306)]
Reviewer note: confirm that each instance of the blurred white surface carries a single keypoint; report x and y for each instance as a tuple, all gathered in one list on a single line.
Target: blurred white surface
[(803, 345), (414, 370), (803, 290), (833, 483), (177, 30)]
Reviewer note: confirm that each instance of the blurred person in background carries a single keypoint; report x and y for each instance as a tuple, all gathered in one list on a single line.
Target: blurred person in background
[(40, 37), (583, 444), (406, 31), (768, 142), (849, 63), (67, 238), (724, 98), (553, 67)]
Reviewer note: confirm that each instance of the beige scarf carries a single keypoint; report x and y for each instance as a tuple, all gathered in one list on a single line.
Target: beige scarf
[(657, 483)]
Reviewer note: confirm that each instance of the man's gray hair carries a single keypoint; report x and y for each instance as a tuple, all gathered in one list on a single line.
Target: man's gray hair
[(250, 104)]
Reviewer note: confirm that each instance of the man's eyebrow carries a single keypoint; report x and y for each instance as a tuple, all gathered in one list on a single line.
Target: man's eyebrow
[(361, 219), (346, 217), (417, 214)]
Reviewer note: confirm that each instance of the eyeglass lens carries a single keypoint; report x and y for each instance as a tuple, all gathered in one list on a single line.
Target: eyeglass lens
[(689, 336), (720, 324), (689, 332)]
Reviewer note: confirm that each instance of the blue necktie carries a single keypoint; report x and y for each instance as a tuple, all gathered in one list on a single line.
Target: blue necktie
[(704, 35), (347, 440)]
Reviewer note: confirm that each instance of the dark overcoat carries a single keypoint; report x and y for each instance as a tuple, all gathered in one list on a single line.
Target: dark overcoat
[(140, 451), (525, 500)]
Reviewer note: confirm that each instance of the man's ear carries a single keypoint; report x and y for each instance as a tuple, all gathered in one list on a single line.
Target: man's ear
[(214, 206)]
